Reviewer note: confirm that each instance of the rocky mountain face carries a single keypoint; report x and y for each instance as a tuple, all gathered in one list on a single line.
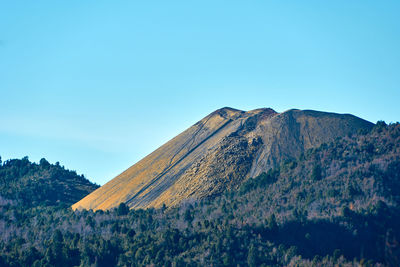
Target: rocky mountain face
[(218, 153)]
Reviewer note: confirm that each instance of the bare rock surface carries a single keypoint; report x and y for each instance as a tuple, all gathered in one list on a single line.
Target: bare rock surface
[(219, 152)]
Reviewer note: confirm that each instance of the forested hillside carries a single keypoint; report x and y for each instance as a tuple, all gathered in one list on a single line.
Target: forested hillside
[(34, 184), (336, 205)]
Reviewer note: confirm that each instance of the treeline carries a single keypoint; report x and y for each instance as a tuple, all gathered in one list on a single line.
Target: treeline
[(337, 205), (52, 236)]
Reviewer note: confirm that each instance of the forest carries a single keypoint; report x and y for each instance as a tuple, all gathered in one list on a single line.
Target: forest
[(336, 205)]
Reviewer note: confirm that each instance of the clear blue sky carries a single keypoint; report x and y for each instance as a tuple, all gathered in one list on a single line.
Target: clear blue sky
[(97, 85)]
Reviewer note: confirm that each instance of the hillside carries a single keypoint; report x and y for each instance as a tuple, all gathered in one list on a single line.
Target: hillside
[(335, 205), (354, 172), (219, 153), (32, 184)]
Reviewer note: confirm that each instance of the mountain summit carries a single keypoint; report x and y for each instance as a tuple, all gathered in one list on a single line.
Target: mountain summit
[(219, 152)]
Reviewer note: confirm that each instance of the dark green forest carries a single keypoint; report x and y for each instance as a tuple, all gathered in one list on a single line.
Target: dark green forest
[(336, 205), (32, 184)]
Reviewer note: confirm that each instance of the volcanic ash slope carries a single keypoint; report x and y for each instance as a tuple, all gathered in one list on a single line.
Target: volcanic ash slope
[(220, 152)]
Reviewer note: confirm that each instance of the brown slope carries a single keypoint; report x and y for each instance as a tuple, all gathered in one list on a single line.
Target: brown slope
[(219, 152)]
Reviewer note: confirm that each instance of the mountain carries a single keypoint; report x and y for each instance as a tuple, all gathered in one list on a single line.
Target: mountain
[(33, 184), (218, 153), (335, 205)]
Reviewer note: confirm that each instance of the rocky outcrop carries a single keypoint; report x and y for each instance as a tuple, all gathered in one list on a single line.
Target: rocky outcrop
[(220, 152)]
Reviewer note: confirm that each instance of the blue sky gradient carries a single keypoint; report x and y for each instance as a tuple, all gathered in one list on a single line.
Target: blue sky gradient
[(97, 85)]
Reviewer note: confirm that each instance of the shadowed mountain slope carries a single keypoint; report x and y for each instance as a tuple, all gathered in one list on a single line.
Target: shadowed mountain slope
[(218, 153)]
